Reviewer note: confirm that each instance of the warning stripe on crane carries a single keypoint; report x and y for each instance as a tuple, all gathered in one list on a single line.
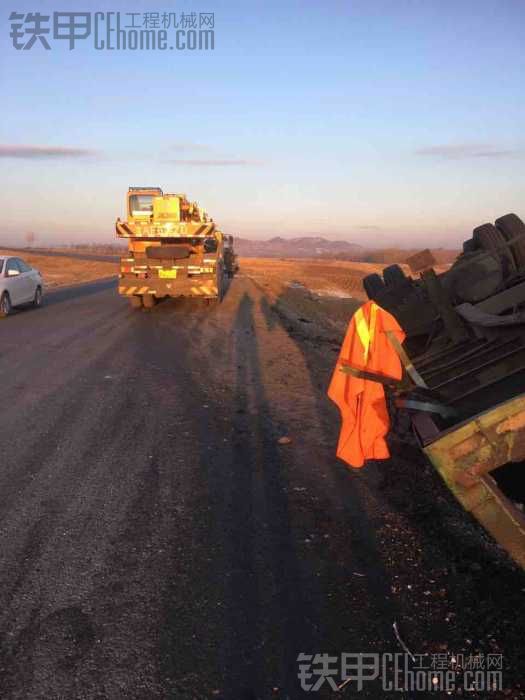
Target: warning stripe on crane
[(135, 290), (208, 291)]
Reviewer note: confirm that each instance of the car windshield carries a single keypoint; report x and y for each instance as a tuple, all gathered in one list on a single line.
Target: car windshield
[(140, 204), (24, 267)]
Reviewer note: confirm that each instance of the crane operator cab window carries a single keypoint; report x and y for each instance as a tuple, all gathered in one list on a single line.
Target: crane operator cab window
[(141, 204)]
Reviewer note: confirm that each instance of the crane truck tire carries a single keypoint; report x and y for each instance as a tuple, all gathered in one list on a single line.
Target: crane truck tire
[(220, 281), (469, 246), (149, 301), (475, 276), (373, 285), (394, 276), (487, 237), (511, 226), (135, 302)]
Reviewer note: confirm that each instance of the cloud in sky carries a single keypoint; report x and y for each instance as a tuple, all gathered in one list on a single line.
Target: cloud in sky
[(215, 162), (32, 152), (39, 152), (463, 151), (185, 147)]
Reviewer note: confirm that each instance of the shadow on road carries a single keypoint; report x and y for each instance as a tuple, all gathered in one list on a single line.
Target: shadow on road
[(358, 524), (265, 593), (261, 609)]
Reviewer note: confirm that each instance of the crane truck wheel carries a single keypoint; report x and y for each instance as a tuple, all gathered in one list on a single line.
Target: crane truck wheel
[(394, 276), (469, 246), (220, 281), (149, 301), (512, 226), (487, 237), (136, 302), (373, 285)]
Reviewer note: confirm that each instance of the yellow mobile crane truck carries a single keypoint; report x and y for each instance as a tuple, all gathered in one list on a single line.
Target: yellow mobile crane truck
[(174, 249)]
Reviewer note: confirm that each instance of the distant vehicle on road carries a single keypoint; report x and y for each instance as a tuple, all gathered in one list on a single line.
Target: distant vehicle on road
[(174, 249), (19, 284)]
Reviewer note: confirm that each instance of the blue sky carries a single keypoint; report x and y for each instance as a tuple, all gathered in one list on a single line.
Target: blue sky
[(381, 122)]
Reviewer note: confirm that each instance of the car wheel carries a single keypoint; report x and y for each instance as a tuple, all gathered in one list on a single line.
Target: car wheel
[(5, 305), (373, 285), (37, 301)]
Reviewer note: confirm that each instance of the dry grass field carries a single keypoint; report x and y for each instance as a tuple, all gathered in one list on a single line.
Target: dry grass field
[(59, 271), (337, 278), (321, 293), (329, 278)]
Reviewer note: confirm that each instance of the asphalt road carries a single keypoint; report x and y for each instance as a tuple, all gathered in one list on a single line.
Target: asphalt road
[(157, 541)]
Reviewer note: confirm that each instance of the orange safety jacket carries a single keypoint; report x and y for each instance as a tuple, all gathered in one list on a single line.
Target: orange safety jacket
[(362, 403)]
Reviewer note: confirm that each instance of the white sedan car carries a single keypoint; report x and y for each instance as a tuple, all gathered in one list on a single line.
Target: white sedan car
[(19, 284)]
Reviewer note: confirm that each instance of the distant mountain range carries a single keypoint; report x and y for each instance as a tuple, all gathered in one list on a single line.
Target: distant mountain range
[(303, 247)]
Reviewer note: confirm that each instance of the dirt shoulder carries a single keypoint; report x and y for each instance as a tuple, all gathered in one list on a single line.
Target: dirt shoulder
[(62, 271), (326, 291), (318, 296), (446, 583)]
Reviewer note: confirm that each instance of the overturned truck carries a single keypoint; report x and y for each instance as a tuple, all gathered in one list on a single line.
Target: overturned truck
[(464, 358), (174, 249)]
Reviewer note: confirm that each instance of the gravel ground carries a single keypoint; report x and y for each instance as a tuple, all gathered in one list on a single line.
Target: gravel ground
[(174, 524)]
